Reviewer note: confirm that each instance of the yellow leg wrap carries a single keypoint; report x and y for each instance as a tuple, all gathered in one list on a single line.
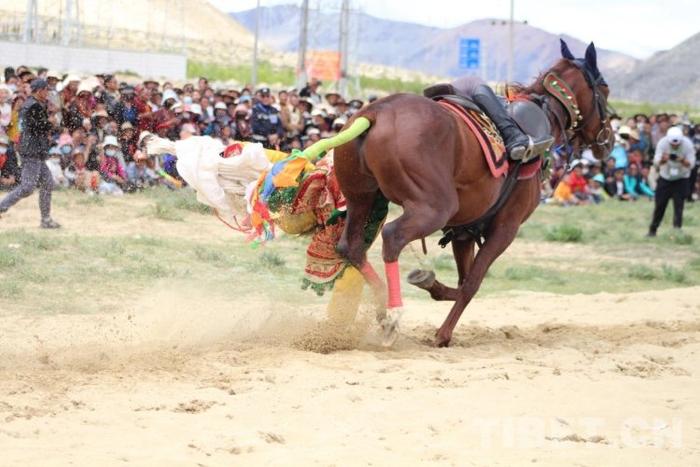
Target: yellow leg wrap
[(347, 293)]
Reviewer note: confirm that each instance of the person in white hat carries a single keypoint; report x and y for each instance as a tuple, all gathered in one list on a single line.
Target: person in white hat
[(675, 158), (112, 168)]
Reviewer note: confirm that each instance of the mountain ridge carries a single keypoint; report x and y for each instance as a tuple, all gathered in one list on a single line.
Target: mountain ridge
[(423, 48)]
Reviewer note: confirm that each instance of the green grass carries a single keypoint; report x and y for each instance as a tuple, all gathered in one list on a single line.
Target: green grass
[(91, 201), (392, 85), (674, 274), (241, 73), (165, 211), (642, 272), (564, 233), (629, 109), (285, 77), (182, 199), (82, 269)]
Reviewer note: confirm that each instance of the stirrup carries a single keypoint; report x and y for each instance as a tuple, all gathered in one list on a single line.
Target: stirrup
[(533, 149)]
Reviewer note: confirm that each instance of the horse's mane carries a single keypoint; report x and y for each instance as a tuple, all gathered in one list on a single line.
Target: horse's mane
[(536, 86)]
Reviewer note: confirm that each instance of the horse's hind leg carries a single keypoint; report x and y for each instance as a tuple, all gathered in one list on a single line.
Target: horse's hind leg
[(463, 251)]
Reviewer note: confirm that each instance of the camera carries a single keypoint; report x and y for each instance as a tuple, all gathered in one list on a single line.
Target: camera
[(673, 156)]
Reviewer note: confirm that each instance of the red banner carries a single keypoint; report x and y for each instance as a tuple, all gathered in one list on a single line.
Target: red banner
[(323, 64)]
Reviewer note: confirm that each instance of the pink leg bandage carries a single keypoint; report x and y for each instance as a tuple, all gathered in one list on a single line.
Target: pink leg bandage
[(393, 279)]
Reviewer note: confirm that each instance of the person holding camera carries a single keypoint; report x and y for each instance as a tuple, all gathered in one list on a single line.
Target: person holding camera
[(675, 158)]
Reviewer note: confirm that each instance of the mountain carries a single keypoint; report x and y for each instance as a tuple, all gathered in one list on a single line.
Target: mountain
[(670, 76), (422, 48)]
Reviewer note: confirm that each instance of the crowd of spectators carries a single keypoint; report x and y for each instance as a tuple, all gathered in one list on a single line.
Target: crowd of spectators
[(97, 120), (629, 173)]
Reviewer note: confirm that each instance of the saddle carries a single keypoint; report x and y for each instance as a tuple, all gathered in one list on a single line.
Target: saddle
[(531, 119)]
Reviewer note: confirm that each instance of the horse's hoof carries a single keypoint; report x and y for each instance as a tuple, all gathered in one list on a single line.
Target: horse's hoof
[(390, 326), (442, 340), (421, 278)]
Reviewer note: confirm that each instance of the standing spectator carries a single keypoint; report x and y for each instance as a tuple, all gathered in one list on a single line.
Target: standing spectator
[(13, 128), (310, 91), (292, 117), (675, 156), (266, 120), (34, 149)]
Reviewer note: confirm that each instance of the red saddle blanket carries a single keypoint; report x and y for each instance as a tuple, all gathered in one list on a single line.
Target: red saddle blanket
[(491, 142)]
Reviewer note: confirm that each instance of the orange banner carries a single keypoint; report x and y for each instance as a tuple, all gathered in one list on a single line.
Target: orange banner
[(323, 64)]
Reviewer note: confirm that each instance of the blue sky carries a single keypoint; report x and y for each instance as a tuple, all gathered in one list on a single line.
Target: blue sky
[(636, 27)]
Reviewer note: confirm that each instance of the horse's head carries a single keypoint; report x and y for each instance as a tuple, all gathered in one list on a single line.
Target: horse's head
[(584, 95)]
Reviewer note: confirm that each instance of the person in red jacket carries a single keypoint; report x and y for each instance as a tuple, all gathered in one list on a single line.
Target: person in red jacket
[(577, 182)]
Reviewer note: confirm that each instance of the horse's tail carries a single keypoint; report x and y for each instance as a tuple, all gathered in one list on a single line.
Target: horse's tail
[(360, 125)]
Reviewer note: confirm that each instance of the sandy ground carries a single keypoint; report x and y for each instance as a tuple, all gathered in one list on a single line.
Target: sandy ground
[(531, 379)]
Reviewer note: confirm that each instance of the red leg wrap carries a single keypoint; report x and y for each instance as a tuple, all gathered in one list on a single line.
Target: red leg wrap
[(393, 279)]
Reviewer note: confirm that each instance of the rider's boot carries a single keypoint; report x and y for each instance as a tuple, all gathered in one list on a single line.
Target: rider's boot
[(518, 144)]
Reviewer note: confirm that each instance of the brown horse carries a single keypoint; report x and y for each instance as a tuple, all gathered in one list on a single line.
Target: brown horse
[(422, 157)]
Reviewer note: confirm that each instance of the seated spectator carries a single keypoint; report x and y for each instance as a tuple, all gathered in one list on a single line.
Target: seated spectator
[(140, 171), (635, 186), (114, 179), (577, 182), (564, 194), (616, 187), (5, 106), (9, 169), (55, 165), (596, 188), (127, 140), (635, 150), (65, 146), (78, 174)]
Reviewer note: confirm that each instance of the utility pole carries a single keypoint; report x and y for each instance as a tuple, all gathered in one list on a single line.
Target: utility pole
[(30, 20), (344, 32), (254, 78), (301, 61), (511, 35), (67, 35)]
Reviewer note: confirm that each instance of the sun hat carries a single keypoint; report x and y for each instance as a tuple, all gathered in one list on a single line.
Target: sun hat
[(674, 135), (110, 141)]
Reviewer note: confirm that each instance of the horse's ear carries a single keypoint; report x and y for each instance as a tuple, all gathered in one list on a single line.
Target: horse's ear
[(565, 52), (592, 57)]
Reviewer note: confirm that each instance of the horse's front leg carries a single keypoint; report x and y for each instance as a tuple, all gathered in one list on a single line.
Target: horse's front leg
[(463, 251), (498, 240)]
